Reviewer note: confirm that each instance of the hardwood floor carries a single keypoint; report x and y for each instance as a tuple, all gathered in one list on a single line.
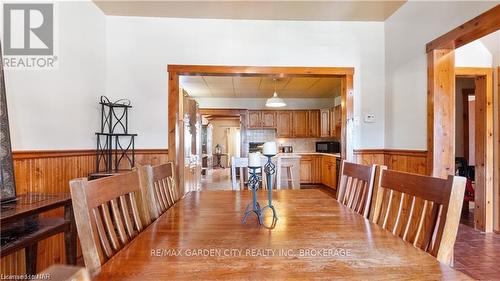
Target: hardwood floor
[(217, 179)]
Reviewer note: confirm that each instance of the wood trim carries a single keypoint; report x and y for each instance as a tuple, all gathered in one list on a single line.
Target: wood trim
[(37, 154), (440, 115), (483, 213), (497, 152), (476, 28), (222, 70), (441, 104), (223, 111), (473, 72), (175, 99), (390, 151)]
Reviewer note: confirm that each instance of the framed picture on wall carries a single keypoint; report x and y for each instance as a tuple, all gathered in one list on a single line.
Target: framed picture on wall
[(7, 184)]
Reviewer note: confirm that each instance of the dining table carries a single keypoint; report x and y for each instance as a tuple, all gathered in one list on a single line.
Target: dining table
[(202, 237)]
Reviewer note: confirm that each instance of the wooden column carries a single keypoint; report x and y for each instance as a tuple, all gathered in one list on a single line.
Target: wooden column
[(440, 112), (175, 132), (483, 213), (347, 97)]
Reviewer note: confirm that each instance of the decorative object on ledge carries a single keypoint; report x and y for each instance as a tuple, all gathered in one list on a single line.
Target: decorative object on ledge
[(115, 146), (254, 163)]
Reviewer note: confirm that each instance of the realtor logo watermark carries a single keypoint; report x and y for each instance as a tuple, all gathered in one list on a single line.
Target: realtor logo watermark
[(29, 36)]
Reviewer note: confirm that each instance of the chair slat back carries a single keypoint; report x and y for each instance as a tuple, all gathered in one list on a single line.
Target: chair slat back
[(422, 210), (238, 163), (356, 187), (164, 191), (107, 215)]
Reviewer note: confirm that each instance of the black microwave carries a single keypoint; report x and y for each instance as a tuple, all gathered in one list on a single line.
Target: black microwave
[(328, 146)]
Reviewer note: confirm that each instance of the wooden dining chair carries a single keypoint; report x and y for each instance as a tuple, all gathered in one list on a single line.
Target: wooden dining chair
[(107, 215), (422, 210), (162, 188), (356, 187)]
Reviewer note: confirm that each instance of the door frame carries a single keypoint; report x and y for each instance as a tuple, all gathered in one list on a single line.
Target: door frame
[(175, 100), (483, 193), (441, 104)]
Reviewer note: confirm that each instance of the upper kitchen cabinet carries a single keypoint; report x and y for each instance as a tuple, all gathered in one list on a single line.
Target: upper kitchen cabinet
[(300, 123), (284, 126), (324, 123), (268, 119), (254, 119), (314, 123), (261, 119), (335, 121)]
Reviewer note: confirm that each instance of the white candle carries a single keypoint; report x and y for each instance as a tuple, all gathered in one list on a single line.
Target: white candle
[(269, 148), (254, 159)]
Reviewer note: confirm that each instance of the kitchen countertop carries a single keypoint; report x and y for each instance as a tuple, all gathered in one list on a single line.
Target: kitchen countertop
[(299, 154), (318, 153)]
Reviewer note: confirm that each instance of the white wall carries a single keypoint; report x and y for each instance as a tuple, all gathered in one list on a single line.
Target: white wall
[(474, 54), (406, 33), (139, 50), (57, 109)]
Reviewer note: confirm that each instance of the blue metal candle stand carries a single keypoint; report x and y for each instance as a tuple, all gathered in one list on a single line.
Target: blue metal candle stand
[(253, 184)]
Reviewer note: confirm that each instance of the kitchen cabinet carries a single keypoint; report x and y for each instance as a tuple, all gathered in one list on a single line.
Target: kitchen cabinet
[(324, 123), (254, 119), (314, 120), (338, 120), (310, 169), (268, 119), (314, 123), (335, 121), (300, 123), (261, 119), (284, 126), (328, 171)]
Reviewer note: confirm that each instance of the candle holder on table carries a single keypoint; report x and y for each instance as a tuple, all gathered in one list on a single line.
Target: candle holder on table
[(253, 185), (270, 170)]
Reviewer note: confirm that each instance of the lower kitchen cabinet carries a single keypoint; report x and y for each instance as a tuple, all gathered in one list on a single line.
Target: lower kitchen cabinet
[(328, 171), (310, 169), (318, 169)]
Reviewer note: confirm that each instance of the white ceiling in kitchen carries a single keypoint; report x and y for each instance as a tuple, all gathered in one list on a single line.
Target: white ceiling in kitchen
[(260, 87)]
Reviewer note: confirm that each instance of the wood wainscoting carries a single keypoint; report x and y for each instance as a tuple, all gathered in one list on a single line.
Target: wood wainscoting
[(411, 161), (50, 171)]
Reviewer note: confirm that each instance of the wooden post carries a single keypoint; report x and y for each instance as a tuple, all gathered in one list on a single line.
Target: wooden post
[(440, 112), (483, 213)]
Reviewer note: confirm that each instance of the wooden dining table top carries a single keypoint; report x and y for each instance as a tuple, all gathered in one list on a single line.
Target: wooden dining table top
[(202, 238)]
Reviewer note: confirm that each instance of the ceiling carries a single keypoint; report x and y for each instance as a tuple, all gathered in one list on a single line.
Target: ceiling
[(260, 87), (255, 10)]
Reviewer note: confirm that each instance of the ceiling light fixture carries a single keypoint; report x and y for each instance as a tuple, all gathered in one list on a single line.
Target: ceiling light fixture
[(275, 101)]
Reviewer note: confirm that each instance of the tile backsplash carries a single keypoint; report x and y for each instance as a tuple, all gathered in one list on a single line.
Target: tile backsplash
[(261, 135), (299, 145)]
